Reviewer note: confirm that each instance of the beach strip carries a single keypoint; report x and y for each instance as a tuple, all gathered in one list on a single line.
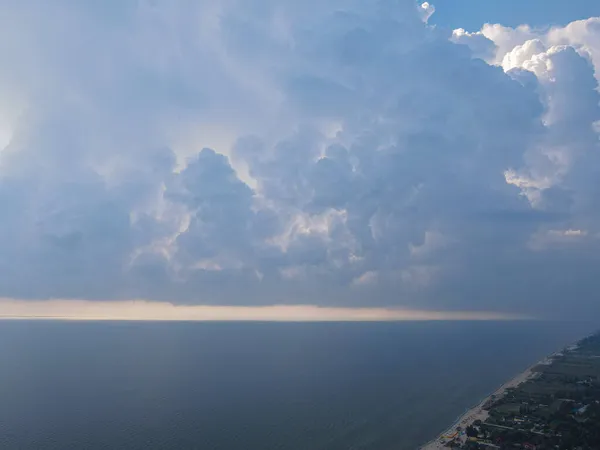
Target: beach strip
[(477, 413)]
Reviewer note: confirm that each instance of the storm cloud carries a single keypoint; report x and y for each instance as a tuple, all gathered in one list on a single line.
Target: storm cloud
[(340, 153)]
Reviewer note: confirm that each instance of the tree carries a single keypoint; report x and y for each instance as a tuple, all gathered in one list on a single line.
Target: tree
[(471, 431)]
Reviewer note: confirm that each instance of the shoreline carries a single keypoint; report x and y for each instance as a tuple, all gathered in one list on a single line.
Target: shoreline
[(478, 412)]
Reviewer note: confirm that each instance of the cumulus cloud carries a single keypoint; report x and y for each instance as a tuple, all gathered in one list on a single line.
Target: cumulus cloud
[(427, 10), (556, 175), (480, 45), (258, 152)]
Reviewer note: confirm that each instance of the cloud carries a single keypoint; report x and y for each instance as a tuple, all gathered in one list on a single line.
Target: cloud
[(339, 153), (480, 45), (427, 10)]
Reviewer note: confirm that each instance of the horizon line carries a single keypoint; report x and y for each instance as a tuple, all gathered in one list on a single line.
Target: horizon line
[(149, 311)]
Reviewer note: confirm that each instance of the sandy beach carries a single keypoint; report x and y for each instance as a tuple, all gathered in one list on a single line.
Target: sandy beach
[(476, 413)]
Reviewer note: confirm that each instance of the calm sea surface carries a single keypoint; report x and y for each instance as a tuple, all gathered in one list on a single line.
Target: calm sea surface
[(246, 386)]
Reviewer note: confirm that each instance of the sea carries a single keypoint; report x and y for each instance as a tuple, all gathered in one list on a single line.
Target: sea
[(246, 386)]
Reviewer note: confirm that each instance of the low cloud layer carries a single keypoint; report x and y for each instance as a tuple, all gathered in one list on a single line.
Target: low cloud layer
[(339, 153), (158, 311)]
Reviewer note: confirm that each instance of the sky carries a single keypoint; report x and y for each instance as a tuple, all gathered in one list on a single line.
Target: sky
[(472, 14), (346, 155)]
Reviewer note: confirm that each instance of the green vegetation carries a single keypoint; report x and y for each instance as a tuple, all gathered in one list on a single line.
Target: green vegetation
[(558, 409)]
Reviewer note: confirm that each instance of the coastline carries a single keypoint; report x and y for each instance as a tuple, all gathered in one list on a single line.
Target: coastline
[(478, 412)]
